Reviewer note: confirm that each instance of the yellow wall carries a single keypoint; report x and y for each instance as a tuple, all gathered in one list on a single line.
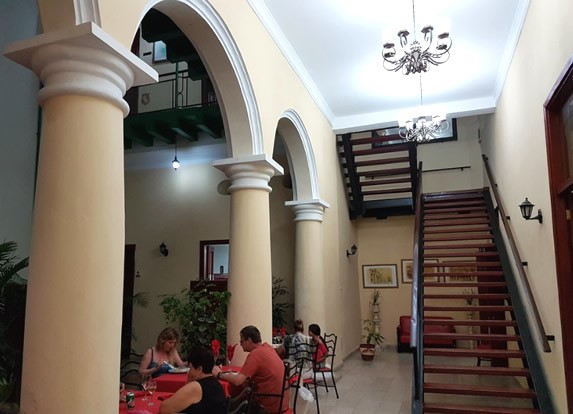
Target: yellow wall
[(514, 140)]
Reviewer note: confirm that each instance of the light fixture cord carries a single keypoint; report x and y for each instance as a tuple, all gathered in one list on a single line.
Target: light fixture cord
[(414, 18), (421, 96)]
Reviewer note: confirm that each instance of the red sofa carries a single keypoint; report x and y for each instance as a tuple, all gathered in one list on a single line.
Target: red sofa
[(403, 333)]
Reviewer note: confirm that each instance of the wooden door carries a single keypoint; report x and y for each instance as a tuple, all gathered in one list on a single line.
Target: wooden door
[(558, 110)]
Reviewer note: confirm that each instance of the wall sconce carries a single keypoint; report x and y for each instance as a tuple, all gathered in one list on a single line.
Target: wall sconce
[(163, 249), (527, 208), (352, 251)]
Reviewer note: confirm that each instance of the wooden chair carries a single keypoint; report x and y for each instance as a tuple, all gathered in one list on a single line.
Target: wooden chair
[(129, 371), (330, 340)]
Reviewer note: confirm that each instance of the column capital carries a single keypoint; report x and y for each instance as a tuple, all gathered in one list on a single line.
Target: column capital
[(83, 60), (311, 210), (252, 172)]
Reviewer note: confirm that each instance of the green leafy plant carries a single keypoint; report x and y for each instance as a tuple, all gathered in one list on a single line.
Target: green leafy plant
[(200, 315), (13, 289), (279, 309), (369, 333)]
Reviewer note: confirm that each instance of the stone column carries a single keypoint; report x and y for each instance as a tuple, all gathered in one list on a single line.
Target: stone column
[(309, 293), (250, 278), (74, 302)]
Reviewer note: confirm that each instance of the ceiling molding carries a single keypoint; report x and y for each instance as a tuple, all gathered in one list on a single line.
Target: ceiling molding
[(287, 50), (510, 47)]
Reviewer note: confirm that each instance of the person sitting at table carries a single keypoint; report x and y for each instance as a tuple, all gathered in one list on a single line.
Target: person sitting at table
[(263, 367), (203, 393), (321, 350), (296, 347), (163, 356)]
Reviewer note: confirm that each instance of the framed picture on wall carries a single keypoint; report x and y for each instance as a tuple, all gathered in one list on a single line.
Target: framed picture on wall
[(407, 266), (380, 276)]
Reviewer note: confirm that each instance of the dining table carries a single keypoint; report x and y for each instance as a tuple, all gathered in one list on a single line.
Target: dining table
[(172, 382), (142, 406)]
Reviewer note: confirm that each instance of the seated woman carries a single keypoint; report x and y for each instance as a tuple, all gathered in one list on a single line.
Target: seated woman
[(297, 347), (163, 356), (321, 350), (203, 392)]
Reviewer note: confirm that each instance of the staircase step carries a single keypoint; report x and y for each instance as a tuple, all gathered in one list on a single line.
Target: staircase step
[(475, 353), (473, 370), (490, 273), (381, 150), (462, 230), (480, 390), (470, 322), (380, 162), (462, 222), (474, 409), (464, 203), (390, 191), (446, 218), (488, 236), (460, 254), (479, 296), (432, 211), (384, 182), (473, 337), (459, 246), (468, 308), (477, 284), (463, 264), (384, 172), (453, 195)]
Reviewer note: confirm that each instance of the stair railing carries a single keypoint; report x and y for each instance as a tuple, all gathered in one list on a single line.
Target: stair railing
[(417, 319), (524, 282)]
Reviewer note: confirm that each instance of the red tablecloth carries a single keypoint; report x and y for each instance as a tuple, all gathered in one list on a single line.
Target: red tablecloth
[(143, 407), (172, 382)]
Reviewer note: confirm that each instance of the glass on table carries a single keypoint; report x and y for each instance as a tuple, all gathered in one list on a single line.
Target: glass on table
[(151, 387), (144, 384)]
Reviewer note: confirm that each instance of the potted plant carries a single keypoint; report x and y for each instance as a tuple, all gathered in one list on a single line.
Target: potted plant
[(371, 338), (200, 315)]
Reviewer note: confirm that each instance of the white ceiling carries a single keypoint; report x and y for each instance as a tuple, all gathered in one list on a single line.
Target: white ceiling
[(335, 47)]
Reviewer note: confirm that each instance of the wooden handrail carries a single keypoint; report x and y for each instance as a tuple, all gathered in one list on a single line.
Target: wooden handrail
[(417, 300), (539, 328)]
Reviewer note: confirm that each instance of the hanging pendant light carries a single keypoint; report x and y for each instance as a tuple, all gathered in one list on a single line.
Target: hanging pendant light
[(175, 163)]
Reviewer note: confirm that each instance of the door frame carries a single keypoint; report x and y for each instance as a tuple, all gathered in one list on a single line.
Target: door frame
[(560, 184)]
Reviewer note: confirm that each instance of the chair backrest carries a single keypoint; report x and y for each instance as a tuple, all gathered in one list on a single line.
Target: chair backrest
[(290, 374), (330, 340)]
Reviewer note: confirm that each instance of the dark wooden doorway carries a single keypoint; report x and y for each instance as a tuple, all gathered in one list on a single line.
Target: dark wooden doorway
[(558, 110), (127, 315)]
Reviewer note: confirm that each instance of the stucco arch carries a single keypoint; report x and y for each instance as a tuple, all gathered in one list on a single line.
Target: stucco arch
[(300, 156)]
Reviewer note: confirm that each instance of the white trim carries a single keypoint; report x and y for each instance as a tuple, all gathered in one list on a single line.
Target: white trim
[(294, 117), (266, 18), (83, 60), (248, 173), (210, 15), (510, 47), (312, 210), (87, 11)]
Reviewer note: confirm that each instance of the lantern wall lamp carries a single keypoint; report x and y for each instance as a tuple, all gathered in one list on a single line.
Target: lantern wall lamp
[(527, 208)]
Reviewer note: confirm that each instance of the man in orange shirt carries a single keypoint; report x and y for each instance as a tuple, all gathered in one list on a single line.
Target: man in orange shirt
[(263, 367)]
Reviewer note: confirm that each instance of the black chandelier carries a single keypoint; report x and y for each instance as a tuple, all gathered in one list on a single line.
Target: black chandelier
[(416, 56)]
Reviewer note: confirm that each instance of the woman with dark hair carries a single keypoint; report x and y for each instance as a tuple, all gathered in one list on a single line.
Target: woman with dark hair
[(203, 393), (321, 350), (163, 356)]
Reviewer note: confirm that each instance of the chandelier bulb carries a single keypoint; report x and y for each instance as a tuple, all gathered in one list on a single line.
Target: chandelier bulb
[(175, 163)]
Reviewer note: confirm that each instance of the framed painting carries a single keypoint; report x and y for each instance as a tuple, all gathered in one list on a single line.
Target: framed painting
[(459, 273), (380, 276), (407, 265)]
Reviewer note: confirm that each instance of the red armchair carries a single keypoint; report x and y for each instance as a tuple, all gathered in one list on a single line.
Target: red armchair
[(403, 333)]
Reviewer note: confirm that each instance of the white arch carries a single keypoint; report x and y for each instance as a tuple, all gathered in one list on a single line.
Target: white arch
[(301, 158), (204, 9)]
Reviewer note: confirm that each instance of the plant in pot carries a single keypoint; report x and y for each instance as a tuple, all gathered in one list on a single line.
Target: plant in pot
[(200, 315), (370, 338)]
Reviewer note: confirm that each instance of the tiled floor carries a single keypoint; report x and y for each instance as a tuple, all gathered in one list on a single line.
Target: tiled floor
[(384, 386)]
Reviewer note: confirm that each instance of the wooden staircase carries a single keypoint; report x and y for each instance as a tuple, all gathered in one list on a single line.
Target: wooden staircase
[(487, 371)]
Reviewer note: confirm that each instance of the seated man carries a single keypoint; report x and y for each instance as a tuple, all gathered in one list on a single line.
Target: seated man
[(263, 367)]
